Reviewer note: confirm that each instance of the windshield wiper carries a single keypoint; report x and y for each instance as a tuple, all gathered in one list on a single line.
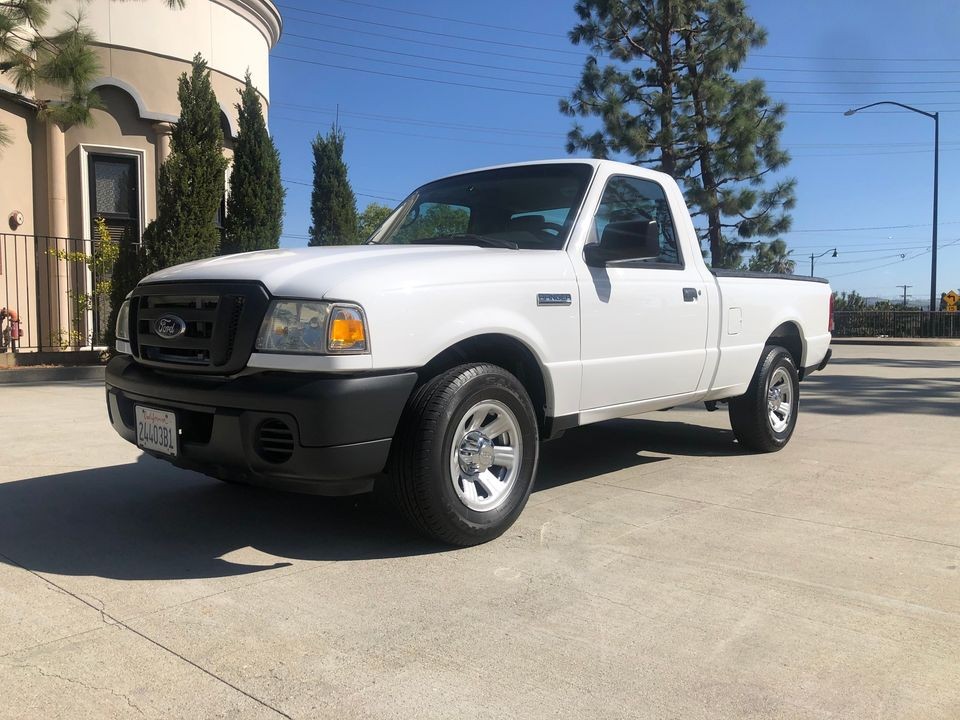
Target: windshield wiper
[(467, 239)]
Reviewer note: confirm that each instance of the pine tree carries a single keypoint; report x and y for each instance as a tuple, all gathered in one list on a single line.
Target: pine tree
[(255, 204), (773, 257), (39, 59), (333, 207), (669, 99), (190, 185)]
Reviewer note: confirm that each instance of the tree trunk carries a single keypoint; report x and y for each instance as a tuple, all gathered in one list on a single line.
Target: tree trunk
[(668, 161), (704, 156)]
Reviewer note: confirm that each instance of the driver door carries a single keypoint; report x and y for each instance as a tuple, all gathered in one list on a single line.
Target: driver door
[(643, 322)]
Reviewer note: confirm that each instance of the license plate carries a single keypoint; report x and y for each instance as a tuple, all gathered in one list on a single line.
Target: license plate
[(157, 430)]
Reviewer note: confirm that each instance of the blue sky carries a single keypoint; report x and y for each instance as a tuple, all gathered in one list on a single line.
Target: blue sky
[(873, 170)]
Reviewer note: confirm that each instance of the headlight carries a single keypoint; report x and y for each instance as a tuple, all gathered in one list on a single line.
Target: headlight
[(313, 328), (123, 321)]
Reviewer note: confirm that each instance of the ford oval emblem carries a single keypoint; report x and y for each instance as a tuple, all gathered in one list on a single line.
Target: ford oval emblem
[(169, 327)]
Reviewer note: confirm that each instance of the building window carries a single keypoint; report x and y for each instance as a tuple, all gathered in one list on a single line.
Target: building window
[(115, 196)]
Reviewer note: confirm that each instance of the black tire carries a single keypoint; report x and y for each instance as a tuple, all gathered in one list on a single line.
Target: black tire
[(750, 414), (421, 476)]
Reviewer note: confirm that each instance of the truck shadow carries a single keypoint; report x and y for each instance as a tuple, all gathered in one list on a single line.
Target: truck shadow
[(869, 394), (149, 521)]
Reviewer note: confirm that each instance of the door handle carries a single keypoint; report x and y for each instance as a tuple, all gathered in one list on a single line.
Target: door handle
[(690, 294)]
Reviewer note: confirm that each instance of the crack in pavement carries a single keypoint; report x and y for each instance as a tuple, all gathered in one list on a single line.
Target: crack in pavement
[(836, 526), (75, 681), (117, 622)]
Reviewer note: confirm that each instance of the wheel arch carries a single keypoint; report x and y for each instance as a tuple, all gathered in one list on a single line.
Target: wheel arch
[(789, 336), (503, 350)]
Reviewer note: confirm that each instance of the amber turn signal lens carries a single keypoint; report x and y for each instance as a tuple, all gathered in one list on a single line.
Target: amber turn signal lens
[(347, 332)]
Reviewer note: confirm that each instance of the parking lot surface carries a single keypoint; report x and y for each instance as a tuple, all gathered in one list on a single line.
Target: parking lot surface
[(657, 572)]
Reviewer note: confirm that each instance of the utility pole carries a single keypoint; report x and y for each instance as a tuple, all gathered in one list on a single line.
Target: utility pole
[(935, 116), (905, 288)]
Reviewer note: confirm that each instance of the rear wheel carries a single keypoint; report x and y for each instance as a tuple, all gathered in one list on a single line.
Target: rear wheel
[(466, 454), (763, 419)]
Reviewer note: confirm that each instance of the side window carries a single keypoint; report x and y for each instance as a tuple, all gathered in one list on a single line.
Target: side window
[(629, 199), (431, 220)]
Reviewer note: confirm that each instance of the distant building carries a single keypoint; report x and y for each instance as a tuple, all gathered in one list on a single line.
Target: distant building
[(55, 180)]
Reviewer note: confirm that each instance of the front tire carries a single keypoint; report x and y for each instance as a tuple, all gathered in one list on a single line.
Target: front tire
[(764, 418), (466, 454)]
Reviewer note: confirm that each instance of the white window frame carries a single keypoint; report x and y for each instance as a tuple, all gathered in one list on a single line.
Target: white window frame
[(86, 150)]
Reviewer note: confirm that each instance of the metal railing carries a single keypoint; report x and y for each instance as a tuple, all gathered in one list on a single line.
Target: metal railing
[(59, 289), (896, 323)]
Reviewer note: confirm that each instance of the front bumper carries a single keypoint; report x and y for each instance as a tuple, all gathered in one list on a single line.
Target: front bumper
[(340, 427)]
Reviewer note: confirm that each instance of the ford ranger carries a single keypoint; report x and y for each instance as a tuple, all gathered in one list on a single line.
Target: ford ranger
[(492, 310)]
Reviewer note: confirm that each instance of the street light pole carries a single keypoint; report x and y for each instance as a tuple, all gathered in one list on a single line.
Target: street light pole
[(935, 116), (814, 257), (936, 195)]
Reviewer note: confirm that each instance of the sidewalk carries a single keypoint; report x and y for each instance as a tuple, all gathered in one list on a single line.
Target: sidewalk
[(16, 375), (895, 341)]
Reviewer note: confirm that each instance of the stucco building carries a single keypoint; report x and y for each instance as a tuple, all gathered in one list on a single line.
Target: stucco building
[(55, 180)]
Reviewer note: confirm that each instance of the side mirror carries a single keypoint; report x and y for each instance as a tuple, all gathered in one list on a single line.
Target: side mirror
[(626, 240)]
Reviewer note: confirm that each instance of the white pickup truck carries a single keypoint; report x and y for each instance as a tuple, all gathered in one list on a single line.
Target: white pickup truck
[(492, 310)]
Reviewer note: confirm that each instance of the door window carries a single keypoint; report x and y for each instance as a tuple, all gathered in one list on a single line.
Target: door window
[(635, 200)]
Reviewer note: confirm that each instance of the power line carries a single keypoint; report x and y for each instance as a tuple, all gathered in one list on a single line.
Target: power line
[(858, 59), (428, 43), (411, 77), (874, 227), (558, 147), (879, 146), (450, 19), (383, 131), (574, 78), (538, 48), (567, 88), (895, 262), (310, 184), (395, 63), (424, 57), (421, 122)]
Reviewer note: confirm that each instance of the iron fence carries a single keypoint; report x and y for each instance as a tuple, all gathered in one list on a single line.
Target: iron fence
[(56, 291), (896, 323)]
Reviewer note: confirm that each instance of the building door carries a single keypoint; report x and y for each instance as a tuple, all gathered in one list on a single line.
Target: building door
[(115, 197)]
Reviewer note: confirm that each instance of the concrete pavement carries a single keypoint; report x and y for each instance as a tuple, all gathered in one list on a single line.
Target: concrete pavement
[(656, 573)]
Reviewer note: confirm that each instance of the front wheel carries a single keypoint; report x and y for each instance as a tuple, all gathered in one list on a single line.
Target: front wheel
[(466, 454), (764, 418)]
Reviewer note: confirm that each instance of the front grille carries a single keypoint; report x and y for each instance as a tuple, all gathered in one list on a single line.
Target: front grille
[(275, 441), (197, 327)]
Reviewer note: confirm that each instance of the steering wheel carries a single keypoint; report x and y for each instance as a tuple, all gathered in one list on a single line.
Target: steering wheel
[(547, 226)]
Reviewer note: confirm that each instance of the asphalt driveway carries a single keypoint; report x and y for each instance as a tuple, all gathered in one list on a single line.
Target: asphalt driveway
[(657, 572)]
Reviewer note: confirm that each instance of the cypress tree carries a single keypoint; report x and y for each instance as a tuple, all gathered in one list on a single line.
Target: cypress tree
[(191, 182), (333, 207), (255, 205), (669, 99)]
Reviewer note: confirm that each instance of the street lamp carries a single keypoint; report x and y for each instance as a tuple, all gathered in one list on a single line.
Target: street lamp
[(936, 184), (814, 257)]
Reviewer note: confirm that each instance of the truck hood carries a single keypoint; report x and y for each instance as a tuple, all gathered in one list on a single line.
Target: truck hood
[(341, 272)]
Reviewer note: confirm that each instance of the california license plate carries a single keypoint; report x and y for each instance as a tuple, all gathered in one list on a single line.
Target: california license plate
[(157, 430)]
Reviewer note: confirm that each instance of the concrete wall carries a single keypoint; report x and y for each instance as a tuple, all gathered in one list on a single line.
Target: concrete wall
[(17, 251), (16, 163), (232, 35)]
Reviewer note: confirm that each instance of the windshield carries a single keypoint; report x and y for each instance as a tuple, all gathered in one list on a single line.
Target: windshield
[(529, 207)]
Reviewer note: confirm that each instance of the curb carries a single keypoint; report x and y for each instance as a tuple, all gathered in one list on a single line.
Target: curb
[(52, 374), (898, 342)]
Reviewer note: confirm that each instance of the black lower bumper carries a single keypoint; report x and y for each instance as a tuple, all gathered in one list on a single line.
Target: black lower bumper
[(340, 428), (817, 368)]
